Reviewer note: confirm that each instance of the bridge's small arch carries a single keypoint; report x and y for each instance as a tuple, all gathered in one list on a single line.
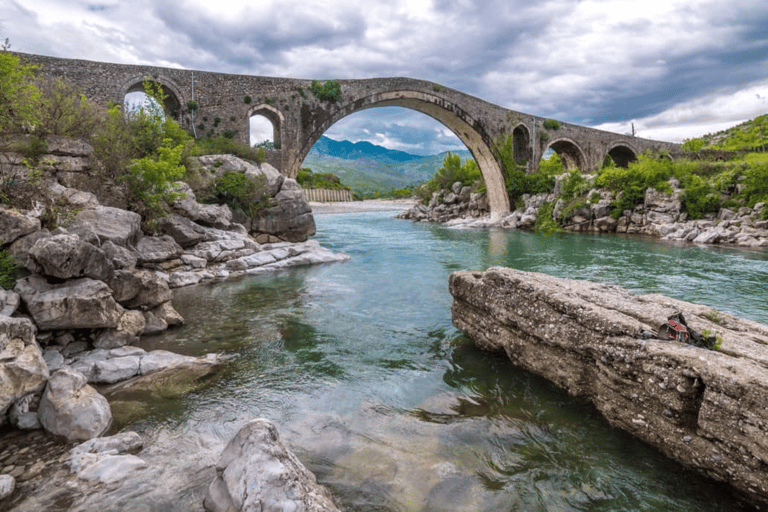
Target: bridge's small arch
[(467, 129), (173, 97), (622, 154), (521, 144), (570, 154), (260, 119)]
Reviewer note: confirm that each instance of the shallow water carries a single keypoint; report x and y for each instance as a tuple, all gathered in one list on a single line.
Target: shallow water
[(359, 366)]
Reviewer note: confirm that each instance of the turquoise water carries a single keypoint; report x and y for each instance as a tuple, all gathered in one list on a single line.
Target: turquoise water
[(391, 407)]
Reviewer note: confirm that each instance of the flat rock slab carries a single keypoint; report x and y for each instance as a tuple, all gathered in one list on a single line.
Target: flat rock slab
[(706, 409)]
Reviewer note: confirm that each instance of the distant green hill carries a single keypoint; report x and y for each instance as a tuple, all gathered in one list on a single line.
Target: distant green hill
[(369, 168), (750, 135)]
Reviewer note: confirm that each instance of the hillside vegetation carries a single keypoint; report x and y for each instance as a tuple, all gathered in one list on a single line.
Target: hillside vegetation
[(371, 170), (140, 153)]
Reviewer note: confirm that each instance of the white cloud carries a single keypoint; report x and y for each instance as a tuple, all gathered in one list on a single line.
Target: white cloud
[(701, 116), (675, 67)]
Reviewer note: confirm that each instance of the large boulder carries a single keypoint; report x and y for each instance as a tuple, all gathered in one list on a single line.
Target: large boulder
[(206, 214), (128, 330), (22, 367), (290, 219), (66, 256), (141, 288), (186, 232), (109, 224), (14, 224), (75, 304), (257, 472), (708, 409), (156, 249), (72, 409), (224, 164), (288, 215)]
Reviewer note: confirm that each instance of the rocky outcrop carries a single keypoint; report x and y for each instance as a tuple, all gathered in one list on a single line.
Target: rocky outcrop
[(704, 408), (285, 215), (446, 205), (98, 283), (257, 472), (659, 215)]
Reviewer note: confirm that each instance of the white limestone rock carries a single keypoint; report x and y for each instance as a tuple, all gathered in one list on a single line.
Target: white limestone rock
[(257, 472), (72, 409)]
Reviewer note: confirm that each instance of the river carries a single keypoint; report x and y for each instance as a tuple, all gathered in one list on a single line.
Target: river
[(390, 406)]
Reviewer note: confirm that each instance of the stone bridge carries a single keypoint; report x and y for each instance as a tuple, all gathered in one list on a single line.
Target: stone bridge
[(225, 104)]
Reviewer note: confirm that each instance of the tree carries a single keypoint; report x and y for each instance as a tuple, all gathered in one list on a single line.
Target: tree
[(19, 97)]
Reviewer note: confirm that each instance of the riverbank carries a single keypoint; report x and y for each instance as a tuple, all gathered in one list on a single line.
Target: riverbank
[(368, 205), (660, 215)]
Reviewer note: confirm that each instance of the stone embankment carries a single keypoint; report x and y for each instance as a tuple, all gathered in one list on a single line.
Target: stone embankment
[(97, 283), (707, 409), (659, 215)]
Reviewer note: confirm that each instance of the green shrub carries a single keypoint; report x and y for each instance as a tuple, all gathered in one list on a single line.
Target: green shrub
[(755, 184), (66, 111), (308, 179), (576, 185), (32, 149), (699, 197), (544, 222), (516, 180), (629, 184), (227, 146), (551, 124), (693, 145), (151, 179), (247, 100), (192, 105), (19, 97), (113, 141), (9, 270), (328, 91), (238, 191)]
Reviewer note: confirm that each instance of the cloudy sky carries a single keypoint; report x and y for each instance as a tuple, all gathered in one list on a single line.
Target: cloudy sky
[(674, 68)]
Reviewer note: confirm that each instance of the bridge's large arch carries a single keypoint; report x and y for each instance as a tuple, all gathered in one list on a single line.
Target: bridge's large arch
[(622, 154), (571, 155), (173, 97), (450, 115)]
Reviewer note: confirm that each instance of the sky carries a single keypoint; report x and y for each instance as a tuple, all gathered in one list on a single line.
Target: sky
[(674, 69)]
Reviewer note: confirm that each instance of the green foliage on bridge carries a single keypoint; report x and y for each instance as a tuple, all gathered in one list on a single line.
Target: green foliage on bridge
[(327, 91)]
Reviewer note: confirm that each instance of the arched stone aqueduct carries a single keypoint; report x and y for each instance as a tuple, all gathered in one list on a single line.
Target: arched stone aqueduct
[(226, 102)]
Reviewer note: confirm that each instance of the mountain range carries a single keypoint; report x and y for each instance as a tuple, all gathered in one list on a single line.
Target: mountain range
[(369, 168)]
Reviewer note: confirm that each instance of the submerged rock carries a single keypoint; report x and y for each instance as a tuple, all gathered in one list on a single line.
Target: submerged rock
[(706, 409)]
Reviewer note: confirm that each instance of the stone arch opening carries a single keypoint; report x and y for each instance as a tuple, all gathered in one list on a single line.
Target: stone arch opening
[(622, 155), (521, 144), (172, 105), (468, 130), (570, 154), (265, 124)]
